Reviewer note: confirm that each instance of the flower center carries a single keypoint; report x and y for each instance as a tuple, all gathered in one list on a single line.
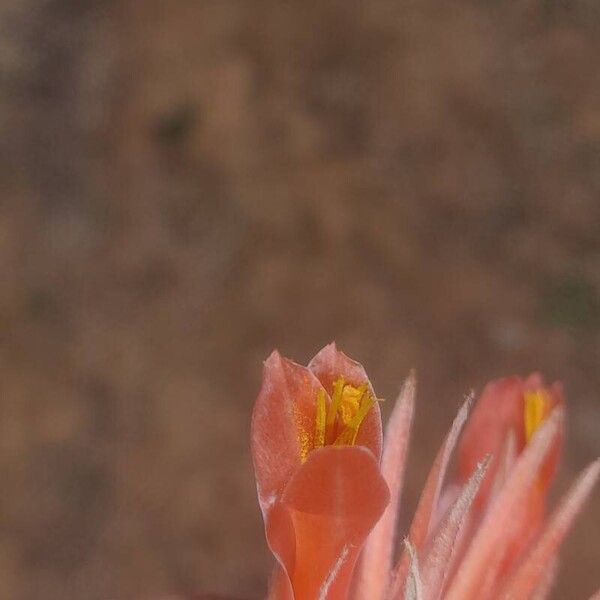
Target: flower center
[(536, 408), (338, 423)]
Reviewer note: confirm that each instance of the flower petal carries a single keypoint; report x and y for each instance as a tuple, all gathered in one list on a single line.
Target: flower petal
[(327, 365), (280, 587), (545, 585), (495, 532), (437, 559), (334, 500), (531, 571), (422, 520), (376, 560), (413, 590), (282, 428), (505, 461)]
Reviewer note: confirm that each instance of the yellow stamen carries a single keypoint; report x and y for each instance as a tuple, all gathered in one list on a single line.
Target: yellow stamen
[(536, 408), (338, 423), (336, 399), (363, 405), (351, 399), (320, 420)]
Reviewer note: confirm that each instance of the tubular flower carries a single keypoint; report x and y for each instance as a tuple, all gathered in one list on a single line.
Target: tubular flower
[(316, 446), (329, 493)]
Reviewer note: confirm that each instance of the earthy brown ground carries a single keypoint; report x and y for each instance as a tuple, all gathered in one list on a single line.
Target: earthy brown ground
[(186, 185)]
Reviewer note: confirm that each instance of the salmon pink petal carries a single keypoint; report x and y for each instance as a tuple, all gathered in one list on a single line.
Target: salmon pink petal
[(505, 461), (333, 500), (413, 590), (437, 559), (376, 561), (550, 467), (281, 538), (498, 410), (495, 532), (545, 585), (282, 428), (329, 364), (280, 587), (531, 571), (422, 520)]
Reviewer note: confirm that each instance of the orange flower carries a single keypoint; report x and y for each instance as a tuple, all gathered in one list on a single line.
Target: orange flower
[(508, 413), (316, 445), (330, 495), (503, 423)]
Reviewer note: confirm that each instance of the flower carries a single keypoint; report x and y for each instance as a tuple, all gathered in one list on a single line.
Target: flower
[(316, 446), (329, 492)]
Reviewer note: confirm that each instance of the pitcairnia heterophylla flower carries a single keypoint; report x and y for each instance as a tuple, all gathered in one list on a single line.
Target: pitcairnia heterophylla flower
[(329, 489)]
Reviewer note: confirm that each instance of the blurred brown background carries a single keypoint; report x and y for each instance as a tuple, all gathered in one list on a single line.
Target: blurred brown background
[(186, 185)]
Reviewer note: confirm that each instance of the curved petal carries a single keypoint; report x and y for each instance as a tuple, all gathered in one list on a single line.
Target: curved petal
[(531, 571), (280, 586), (429, 501), (376, 562), (282, 427), (333, 502), (544, 587), (327, 365), (437, 559), (499, 409), (281, 538), (495, 533), (413, 590)]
